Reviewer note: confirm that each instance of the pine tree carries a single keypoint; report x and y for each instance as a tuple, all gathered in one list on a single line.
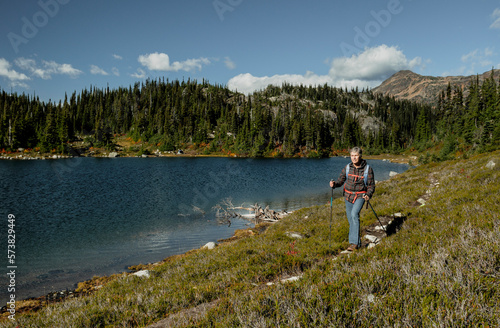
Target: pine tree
[(423, 131)]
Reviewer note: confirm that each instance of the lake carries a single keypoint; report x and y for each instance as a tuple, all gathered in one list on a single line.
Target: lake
[(82, 217)]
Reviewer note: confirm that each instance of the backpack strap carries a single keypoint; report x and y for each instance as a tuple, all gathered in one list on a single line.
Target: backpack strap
[(365, 179), (365, 174)]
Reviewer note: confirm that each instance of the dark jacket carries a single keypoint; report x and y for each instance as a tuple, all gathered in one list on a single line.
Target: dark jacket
[(355, 184)]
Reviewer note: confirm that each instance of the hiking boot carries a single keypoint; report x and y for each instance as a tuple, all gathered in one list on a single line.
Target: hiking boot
[(352, 247)]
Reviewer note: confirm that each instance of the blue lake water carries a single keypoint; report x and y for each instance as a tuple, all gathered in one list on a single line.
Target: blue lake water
[(77, 218)]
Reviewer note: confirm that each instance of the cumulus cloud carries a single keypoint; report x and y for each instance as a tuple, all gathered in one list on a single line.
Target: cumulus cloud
[(47, 69), (373, 64), (161, 62), (96, 70), (367, 69), (12, 75), (115, 56), (496, 18), (247, 83)]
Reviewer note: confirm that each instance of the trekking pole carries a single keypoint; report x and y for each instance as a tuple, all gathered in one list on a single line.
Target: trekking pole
[(331, 218), (368, 203)]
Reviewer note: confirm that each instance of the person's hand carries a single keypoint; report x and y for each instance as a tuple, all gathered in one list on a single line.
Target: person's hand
[(366, 197), (332, 184)]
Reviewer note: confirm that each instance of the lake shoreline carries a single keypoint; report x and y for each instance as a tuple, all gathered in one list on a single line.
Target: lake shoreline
[(400, 159)]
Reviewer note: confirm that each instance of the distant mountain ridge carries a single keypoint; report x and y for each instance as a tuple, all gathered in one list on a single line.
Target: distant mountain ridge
[(426, 89)]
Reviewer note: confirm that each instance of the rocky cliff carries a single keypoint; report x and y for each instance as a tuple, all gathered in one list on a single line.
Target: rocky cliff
[(426, 89)]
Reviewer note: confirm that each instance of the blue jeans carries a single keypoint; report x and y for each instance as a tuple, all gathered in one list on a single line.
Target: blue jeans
[(352, 211)]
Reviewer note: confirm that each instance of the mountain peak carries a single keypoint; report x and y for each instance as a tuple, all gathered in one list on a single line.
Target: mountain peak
[(408, 85)]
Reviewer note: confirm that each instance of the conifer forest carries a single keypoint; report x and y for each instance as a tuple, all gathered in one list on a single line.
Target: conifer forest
[(277, 121)]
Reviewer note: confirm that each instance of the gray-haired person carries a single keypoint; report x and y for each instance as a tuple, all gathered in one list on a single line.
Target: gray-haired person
[(359, 187)]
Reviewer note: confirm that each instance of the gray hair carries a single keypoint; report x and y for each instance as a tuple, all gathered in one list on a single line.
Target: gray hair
[(357, 150)]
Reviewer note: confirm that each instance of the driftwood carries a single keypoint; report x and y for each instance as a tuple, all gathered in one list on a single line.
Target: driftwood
[(226, 211), (267, 215)]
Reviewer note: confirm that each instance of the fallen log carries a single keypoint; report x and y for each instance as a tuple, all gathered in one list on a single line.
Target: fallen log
[(226, 210)]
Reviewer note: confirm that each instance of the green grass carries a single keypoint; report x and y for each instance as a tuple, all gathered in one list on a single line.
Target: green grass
[(442, 269)]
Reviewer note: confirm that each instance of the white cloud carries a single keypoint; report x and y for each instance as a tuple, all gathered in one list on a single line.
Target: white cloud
[(247, 83), (115, 56), (478, 55), (373, 64), (115, 71), (156, 61), (477, 60), (16, 84), (96, 70), (496, 17), (10, 74), (52, 67), (229, 63), (48, 68), (470, 55), (161, 62), (140, 74), (30, 65), (368, 69)]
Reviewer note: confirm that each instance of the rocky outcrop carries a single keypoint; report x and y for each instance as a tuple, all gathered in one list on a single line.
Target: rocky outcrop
[(426, 89)]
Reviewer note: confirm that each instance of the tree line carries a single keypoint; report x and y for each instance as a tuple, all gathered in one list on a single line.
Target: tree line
[(277, 121)]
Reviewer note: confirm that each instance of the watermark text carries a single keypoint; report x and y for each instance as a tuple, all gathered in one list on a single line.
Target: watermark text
[(362, 37), (40, 19), (11, 266), (223, 6)]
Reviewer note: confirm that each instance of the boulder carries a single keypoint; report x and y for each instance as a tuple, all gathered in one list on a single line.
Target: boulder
[(209, 245), (142, 273), (294, 235), (491, 165), (113, 154), (372, 239), (392, 173)]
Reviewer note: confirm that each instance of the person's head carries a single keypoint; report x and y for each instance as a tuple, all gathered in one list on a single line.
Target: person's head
[(356, 154)]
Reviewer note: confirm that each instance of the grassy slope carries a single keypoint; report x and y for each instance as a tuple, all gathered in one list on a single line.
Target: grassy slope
[(441, 269)]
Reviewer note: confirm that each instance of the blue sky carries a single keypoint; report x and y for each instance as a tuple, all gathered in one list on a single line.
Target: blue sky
[(53, 47)]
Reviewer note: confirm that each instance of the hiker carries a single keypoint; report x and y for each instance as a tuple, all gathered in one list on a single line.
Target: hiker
[(359, 187)]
